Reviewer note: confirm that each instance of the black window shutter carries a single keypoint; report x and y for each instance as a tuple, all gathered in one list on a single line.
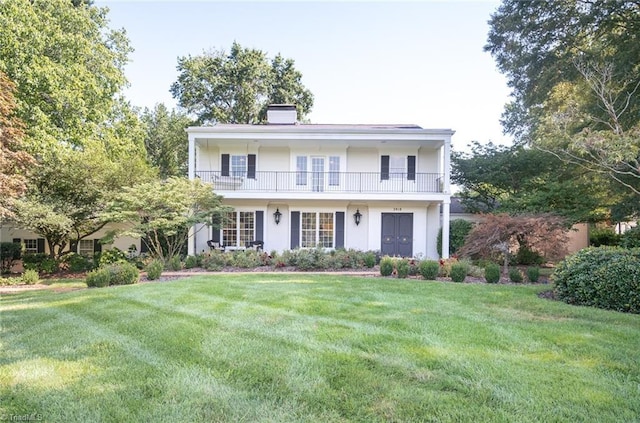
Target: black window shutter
[(251, 166), (40, 245), (73, 246), (97, 247), (384, 168), (339, 229), (295, 229), (215, 222), (16, 240), (411, 168), (259, 225), (144, 244), (225, 165)]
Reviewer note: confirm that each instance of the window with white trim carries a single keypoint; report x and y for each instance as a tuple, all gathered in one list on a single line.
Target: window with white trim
[(316, 229), (334, 170), (301, 170), (30, 246), (397, 167), (239, 166), (238, 228), (85, 247)]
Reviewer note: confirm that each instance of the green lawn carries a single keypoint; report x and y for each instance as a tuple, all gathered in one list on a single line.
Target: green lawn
[(315, 348)]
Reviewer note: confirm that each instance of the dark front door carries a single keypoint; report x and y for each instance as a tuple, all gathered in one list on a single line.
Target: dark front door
[(397, 234)]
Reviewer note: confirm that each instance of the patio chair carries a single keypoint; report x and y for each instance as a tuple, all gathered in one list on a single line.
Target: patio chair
[(215, 245), (255, 245)]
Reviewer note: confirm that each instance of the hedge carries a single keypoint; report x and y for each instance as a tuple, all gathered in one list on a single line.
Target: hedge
[(603, 277)]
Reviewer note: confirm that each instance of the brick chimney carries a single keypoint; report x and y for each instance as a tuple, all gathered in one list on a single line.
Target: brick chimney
[(282, 114)]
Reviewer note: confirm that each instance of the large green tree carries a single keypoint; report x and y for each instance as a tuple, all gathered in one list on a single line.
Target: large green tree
[(14, 161), (162, 212), (166, 140), (517, 179), (237, 87), (68, 69), (574, 70)]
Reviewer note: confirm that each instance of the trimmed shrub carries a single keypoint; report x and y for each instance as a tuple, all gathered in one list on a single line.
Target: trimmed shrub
[(631, 238), (122, 274), (98, 278), (603, 277), (533, 274), (78, 263), (515, 275), (175, 263), (214, 261), (458, 272), (402, 268), (190, 262), (246, 259), (492, 273), (369, 259), (113, 255), (39, 262), (154, 270), (429, 269), (386, 266), (603, 236), (10, 252), (30, 277)]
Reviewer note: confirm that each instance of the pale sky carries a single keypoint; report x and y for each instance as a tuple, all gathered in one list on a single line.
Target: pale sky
[(418, 62)]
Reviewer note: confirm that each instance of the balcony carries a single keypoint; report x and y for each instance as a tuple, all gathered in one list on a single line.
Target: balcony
[(325, 182)]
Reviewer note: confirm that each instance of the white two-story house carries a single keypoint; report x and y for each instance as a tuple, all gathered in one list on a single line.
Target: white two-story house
[(291, 185)]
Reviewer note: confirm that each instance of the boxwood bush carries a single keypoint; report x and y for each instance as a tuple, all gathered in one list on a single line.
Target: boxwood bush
[(154, 269), (429, 269), (603, 277), (459, 272), (492, 273)]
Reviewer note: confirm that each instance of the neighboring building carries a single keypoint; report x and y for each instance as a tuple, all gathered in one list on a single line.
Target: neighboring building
[(291, 185), (35, 244)]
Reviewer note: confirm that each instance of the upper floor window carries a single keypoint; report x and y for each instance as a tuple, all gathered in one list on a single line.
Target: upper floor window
[(301, 170), (239, 166), (398, 167), (334, 170), (243, 166)]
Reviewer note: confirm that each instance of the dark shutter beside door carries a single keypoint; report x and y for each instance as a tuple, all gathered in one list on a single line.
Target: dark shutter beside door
[(295, 229), (339, 229), (225, 165), (384, 168)]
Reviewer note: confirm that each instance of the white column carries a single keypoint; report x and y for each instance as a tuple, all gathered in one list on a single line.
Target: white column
[(445, 228), (191, 241), (446, 190)]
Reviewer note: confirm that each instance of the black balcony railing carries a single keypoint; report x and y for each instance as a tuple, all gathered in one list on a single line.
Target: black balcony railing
[(325, 182)]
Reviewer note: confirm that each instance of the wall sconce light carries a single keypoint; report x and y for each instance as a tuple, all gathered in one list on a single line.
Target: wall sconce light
[(277, 215), (357, 216)]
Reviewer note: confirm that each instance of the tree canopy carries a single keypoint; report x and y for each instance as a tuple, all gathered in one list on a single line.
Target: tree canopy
[(166, 140), (574, 70), (14, 162), (518, 179), (67, 66), (161, 212), (238, 86)]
